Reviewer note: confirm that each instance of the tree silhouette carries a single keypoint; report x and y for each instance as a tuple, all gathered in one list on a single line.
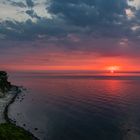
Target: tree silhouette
[(4, 84)]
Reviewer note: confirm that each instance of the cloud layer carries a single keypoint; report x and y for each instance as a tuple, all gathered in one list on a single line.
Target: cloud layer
[(48, 17), (98, 28)]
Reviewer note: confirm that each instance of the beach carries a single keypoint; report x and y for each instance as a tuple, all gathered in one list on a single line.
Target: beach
[(4, 102), (8, 127)]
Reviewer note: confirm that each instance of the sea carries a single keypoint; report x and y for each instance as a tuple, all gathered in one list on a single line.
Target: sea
[(78, 106)]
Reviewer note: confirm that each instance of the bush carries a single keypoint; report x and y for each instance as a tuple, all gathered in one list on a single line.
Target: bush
[(11, 132)]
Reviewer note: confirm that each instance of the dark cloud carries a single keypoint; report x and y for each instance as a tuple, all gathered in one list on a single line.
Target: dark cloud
[(30, 30), (89, 12), (32, 14), (20, 4), (30, 3), (96, 18)]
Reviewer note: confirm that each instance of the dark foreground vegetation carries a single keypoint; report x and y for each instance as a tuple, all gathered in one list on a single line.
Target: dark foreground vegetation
[(9, 131)]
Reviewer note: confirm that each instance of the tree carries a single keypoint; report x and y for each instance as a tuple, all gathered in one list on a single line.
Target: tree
[(4, 84)]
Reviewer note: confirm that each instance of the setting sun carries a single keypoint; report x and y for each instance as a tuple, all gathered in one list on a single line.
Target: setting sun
[(113, 69)]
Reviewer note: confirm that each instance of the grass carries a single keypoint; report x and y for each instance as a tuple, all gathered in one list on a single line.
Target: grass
[(11, 132)]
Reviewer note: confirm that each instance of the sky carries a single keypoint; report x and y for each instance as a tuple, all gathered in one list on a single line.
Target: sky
[(41, 35)]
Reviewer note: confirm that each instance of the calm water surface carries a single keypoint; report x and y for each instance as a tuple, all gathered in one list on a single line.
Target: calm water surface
[(83, 108)]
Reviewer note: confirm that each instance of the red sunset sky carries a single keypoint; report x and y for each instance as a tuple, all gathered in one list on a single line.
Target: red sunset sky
[(73, 35)]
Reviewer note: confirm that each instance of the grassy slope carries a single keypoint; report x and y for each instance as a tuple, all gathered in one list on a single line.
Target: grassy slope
[(11, 132)]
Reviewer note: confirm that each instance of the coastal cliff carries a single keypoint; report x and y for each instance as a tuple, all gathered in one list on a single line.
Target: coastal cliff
[(8, 94)]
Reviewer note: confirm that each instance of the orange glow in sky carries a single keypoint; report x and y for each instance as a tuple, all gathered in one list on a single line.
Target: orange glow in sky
[(45, 60), (100, 64), (113, 69)]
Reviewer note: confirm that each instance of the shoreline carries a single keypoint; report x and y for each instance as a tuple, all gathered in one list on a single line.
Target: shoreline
[(5, 103), (6, 117)]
